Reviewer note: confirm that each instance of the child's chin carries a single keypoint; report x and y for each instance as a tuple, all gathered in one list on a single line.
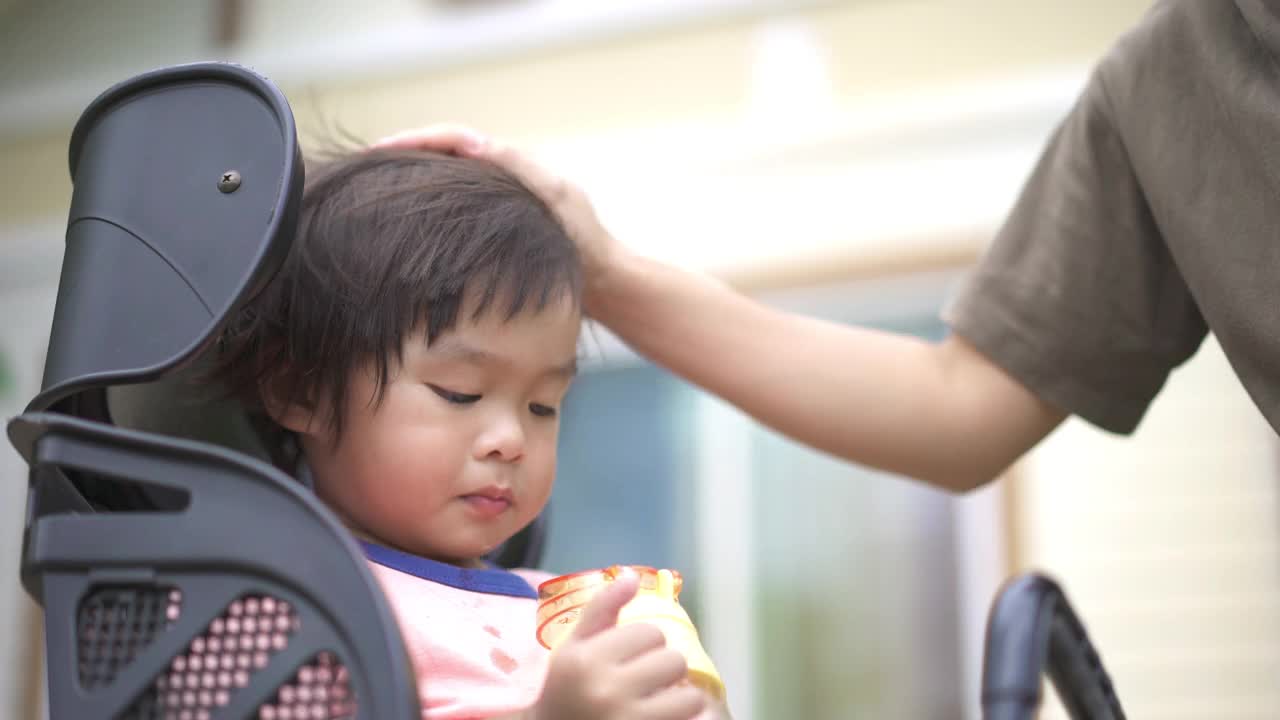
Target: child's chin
[(474, 555)]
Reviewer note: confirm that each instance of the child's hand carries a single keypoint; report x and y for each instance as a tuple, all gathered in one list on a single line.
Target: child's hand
[(606, 672), (599, 250)]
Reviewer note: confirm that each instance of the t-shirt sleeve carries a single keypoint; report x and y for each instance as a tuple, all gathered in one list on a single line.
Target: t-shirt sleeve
[(1078, 297)]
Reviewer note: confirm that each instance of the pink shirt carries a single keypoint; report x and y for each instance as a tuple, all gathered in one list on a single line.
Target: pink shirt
[(469, 633)]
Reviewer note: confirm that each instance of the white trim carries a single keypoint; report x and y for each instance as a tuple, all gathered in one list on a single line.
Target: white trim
[(726, 556), (981, 548)]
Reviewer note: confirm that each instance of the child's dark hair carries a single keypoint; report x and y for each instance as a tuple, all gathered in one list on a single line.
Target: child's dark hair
[(387, 244)]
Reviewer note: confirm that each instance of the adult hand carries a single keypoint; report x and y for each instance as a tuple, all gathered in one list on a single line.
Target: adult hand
[(599, 250)]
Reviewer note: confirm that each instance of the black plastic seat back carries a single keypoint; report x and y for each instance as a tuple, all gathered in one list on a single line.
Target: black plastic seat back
[(187, 183), (180, 579), (1032, 632), (186, 187), (250, 601)]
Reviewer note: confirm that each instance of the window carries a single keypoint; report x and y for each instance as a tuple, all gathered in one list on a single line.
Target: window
[(821, 589)]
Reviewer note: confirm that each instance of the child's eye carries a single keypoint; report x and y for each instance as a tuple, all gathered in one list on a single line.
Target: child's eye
[(542, 410), (453, 397)]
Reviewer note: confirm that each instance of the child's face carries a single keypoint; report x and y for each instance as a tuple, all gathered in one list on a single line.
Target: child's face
[(461, 452)]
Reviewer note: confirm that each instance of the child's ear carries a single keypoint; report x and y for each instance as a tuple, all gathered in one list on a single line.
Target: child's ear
[(301, 418), (294, 417)]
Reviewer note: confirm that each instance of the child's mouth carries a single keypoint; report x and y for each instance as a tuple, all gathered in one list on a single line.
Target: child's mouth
[(487, 506)]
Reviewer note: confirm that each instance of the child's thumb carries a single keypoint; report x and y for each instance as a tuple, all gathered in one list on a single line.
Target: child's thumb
[(602, 612)]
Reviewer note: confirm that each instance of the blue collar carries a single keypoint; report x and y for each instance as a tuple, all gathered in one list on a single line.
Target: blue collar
[(492, 580)]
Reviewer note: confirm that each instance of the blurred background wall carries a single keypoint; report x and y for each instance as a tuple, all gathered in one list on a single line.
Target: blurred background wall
[(844, 159)]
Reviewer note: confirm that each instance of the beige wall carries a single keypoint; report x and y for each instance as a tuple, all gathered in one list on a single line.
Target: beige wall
[(1168, 543), (695, 76)]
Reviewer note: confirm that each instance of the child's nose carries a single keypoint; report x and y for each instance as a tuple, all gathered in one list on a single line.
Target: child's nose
[(503, 440)]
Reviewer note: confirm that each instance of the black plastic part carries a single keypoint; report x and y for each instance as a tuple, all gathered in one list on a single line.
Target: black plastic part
[(146, 158), (1031, 631), (248, 528)]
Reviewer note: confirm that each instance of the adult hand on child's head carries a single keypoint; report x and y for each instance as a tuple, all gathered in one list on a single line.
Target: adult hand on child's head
[(599, 250), (606, 672)]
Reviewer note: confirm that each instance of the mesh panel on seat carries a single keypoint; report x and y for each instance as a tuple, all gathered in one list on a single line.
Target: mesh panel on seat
[(116, 623), (219, 661), (320, 690)]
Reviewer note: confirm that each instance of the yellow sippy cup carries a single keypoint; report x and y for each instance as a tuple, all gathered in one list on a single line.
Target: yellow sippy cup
[(562, 599)]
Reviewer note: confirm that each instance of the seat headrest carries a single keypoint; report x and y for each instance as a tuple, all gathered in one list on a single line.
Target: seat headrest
[(187, 183), (182, 404)]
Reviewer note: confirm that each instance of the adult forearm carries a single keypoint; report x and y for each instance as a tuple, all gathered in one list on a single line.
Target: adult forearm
[(937, 412)]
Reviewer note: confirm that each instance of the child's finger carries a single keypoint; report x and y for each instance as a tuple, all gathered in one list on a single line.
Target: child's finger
[(602, 612), (623, 644), (654, 671), (680, 702)]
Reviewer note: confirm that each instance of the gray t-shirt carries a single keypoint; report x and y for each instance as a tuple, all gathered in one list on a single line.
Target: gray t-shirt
[(1153, 214)]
